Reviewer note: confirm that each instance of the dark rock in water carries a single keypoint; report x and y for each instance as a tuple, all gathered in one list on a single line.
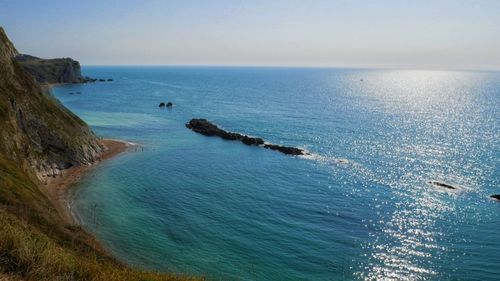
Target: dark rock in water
[(110, 80), (285, 149), (71, 93), (78, 93), (102, 80), (169, 104), (204, 127), (87, 79), (251, 141), (162, 104), (436, 183), (495, 196)]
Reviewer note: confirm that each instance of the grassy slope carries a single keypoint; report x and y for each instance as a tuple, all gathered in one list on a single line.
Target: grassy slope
[(35, 244)]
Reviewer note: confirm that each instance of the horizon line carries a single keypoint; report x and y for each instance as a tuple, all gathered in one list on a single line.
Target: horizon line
[(294, 66)]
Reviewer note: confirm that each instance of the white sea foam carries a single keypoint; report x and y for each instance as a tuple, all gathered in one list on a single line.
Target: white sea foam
[(129, 143), (328, 160)]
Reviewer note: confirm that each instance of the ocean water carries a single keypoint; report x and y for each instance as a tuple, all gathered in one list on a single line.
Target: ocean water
[(360, 208)]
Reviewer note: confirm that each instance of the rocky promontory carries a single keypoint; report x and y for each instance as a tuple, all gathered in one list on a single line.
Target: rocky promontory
[(206, 128), (54, 71)]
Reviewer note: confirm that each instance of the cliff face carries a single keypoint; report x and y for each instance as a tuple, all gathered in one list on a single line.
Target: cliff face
[(64, 70), (8, 50), (37, 132), (38, 137)]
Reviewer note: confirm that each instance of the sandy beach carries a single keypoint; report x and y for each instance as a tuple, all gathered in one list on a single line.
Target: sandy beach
[(57, 188)]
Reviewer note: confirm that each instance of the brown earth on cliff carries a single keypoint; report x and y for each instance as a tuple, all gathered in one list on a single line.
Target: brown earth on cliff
[(38, 138)]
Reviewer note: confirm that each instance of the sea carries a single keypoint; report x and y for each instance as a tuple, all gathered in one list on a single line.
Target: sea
[(359, 207)]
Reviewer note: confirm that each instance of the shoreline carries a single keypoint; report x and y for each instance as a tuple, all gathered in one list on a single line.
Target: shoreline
[(57, 188)]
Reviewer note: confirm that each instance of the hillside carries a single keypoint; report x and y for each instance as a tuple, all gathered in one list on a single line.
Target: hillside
[(37, 132), (38, 139), (52, 71)]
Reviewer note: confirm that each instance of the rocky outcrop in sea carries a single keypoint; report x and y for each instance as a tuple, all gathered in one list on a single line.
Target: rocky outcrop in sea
[(206, 128), (442, 184)]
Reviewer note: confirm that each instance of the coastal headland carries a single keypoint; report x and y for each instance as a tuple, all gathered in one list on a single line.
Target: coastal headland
[(44, 150)]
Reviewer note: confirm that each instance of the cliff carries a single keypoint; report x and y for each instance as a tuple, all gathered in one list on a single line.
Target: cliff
[(37, 132), (39, 138), (52, 71)]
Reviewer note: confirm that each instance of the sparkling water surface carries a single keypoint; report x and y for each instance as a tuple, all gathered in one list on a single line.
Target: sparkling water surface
[(360, 208)]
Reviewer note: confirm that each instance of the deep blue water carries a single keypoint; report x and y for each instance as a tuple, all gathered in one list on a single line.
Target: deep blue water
[(193, 204)]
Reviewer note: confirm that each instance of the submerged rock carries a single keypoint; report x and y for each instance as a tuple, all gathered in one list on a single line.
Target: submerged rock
[(169, 104), (162, 104), (110, 80), (495, 196), (204, 127), (441, 184), (102, 80)]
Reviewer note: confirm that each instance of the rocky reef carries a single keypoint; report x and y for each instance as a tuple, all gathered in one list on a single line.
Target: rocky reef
[(441, 184), (206, 128)]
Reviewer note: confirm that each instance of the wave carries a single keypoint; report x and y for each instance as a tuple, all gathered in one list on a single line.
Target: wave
[(328, 160)]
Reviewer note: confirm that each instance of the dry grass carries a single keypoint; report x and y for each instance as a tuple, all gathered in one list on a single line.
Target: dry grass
[(35, 244), (27, 253)]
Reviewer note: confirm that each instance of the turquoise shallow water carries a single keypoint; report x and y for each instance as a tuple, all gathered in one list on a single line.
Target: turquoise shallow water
[(200, 205)]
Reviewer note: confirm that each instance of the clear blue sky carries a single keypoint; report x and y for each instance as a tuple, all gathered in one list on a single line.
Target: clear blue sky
[(437, 34)]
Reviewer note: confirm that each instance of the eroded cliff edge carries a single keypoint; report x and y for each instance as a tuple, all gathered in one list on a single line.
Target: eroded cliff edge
[(38, 133), (38, 138), (52, 71)]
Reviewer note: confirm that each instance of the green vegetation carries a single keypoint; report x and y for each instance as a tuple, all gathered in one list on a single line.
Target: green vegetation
[(62, 70), (36, 133), (36, 245)]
